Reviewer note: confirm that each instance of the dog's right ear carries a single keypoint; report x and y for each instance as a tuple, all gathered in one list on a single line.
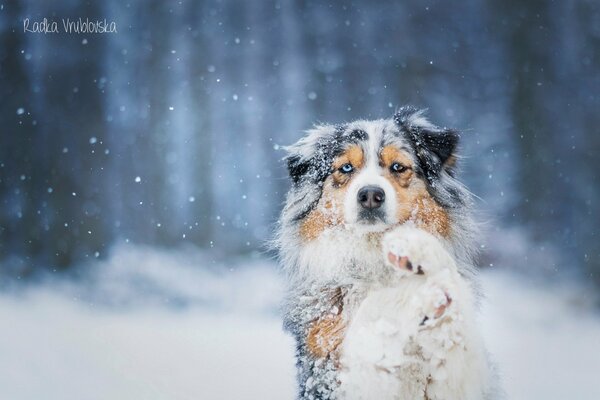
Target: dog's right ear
[(435, 147), (297, 168), (305, 158)]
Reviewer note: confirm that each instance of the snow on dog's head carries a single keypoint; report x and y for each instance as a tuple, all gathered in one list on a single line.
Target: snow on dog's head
[(370, 175), (362, 178)]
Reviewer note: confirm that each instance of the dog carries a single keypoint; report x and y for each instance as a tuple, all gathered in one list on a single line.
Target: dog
[(377, 242)]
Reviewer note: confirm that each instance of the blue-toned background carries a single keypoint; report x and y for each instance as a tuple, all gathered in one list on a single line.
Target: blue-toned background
[(163, 139)]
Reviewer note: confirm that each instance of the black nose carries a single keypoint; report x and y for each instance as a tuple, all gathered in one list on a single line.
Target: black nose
[(371, 197)]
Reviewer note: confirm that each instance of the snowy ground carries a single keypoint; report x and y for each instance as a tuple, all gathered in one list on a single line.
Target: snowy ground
[(152, 325)]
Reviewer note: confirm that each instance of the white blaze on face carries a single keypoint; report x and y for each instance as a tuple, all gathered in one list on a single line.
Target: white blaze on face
[(371, 174)]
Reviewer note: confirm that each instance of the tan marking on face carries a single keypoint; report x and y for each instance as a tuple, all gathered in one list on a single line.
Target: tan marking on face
[(391, 154), (414, 203), (329, 212), (352, 155)]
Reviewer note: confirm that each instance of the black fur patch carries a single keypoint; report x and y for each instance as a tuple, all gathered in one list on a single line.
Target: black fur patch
[(318, 167), (433, 146), (296, 167)]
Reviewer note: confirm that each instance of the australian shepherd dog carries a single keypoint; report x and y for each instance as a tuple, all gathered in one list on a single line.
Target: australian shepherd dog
[(377, 242)]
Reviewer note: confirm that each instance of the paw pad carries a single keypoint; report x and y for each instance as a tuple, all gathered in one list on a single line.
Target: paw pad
[(404, 263)]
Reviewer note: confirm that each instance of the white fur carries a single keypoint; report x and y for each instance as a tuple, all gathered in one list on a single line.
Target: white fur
[(388, 354), (333, 256)]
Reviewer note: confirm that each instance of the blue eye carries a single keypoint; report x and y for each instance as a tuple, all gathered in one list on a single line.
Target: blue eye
[(397, 167), (347, 168)]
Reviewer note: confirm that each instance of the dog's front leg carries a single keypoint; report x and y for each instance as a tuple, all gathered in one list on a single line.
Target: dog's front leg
[(447, 335), (316, 320), (448, 339), (325, 335)]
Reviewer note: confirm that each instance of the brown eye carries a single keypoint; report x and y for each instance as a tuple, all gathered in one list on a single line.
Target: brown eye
[(397, 167), (346, 168)]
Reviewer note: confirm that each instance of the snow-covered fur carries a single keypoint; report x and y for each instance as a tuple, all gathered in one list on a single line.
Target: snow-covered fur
[(377, 242), (414, 334)]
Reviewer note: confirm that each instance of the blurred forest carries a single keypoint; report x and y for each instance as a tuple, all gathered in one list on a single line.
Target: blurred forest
[(168, 131)]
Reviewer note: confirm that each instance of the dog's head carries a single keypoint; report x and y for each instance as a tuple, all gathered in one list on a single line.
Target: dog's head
[(373, 175)]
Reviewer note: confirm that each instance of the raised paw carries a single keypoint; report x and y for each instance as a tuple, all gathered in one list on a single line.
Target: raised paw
[(415, 252)]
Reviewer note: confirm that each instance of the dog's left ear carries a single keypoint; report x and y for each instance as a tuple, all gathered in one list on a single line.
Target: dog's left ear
[(435, 147), (443, 143)]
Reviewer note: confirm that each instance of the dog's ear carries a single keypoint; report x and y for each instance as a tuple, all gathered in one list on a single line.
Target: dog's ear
[(434, 147), (442, 143), (297, 167), (305, 159)]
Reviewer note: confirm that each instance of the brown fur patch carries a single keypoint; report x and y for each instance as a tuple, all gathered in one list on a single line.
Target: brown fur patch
[(431, 216), (315, 223), (414, 203), (325, 336), (327, 333)]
